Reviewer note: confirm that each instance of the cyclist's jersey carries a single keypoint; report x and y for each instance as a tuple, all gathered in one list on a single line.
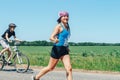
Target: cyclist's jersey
[(9, 34), (63, 37)]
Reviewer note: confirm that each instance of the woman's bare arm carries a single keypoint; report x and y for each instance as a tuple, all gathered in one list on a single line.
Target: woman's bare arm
[(53, 37)]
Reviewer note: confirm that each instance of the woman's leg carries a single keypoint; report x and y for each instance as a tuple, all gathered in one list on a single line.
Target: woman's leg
[(66, 61), (51, 66)]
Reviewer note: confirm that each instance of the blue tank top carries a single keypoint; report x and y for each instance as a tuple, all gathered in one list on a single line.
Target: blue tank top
[(63, 37)]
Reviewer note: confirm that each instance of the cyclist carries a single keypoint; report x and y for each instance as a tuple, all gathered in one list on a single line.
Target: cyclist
[(60, 49), (5, 40)]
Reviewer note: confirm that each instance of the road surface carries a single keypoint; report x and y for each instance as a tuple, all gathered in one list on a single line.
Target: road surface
[(11, 74)]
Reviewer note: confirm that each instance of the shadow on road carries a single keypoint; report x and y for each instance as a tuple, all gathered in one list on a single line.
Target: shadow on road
[(29, 71)]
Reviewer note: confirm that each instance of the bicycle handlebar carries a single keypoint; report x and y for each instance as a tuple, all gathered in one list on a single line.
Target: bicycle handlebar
[(16, 42)]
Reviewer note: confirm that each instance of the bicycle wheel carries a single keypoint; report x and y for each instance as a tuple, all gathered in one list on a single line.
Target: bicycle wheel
[(21, 63), (1, 63)]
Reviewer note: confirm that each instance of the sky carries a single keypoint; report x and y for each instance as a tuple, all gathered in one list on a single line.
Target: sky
[(90, 20)]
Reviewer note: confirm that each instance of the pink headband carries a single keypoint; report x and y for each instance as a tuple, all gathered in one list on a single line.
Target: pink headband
[(63, 13)]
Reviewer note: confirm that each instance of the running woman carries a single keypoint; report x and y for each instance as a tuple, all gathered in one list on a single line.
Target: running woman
[(5, 40), (60, 49)]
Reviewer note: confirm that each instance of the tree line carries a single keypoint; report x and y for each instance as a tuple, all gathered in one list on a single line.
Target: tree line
[(47, 43)]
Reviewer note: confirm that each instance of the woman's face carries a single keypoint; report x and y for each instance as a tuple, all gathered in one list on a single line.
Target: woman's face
[(64, 19)]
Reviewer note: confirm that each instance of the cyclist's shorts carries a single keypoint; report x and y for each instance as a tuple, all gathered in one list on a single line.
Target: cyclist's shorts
[(59, 51), (4, 43)]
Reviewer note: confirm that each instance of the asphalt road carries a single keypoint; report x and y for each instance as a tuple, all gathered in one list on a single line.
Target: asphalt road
[(11, 74)]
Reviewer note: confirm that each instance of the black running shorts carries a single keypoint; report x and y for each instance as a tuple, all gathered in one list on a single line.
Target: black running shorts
[(59, 51)]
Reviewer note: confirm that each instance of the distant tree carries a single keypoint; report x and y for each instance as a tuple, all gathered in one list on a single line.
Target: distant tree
[(46, 43)]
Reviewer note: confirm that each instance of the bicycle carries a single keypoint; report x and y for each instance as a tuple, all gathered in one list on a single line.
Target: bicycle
[(20, 60)]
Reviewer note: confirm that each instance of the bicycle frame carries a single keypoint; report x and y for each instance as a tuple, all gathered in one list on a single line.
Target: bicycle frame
[(14, 53), (20, 61)]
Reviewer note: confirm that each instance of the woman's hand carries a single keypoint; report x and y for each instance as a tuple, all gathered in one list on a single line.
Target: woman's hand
[(56, 40)]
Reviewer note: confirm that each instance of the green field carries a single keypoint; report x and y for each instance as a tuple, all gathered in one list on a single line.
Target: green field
[(106, 58)]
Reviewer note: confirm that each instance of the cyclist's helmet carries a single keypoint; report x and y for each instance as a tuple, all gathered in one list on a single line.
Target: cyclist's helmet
[(12, 25)]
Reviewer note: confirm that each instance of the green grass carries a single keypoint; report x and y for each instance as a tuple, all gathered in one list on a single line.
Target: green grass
[(106, 58)]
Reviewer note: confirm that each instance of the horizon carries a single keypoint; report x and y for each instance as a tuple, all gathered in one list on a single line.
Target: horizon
[(75, 42)]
